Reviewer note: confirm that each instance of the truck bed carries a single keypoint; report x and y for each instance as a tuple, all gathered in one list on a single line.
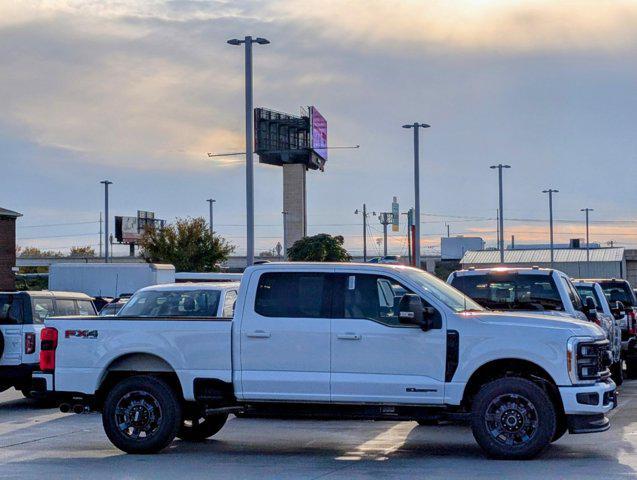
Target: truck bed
[(192, 347)]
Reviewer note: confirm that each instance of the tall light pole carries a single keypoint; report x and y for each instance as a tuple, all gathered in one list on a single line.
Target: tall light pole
[(211, 201), (248, 41), (499, 166), (588, 245), (551, 191), (416, 126), (106, 183)]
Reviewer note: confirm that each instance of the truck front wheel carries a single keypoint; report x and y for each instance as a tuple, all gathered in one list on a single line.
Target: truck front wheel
[(141, 414), (200, 428), (513, 418)]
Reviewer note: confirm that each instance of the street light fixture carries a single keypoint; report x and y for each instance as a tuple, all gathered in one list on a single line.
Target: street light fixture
[(248, 41), (106, 183), (416, 126), (551, 191), (499, 166)]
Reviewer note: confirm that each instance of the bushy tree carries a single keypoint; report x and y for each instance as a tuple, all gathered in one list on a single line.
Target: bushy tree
[(187, 244), (36, 252), (319, 248)]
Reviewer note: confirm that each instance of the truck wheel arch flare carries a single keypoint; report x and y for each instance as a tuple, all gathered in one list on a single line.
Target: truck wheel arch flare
[(137, 362)]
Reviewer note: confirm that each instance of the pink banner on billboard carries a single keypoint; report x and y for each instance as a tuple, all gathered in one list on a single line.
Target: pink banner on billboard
[(319, 133)]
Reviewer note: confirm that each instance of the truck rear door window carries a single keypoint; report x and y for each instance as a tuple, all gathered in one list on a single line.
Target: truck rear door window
[(42, 309), (586, 291), (65, 307), (293, 295), (510, 291)]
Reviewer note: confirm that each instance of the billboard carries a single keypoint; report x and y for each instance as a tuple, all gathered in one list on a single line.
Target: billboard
[(130, 229), (318, 133), (281, 138)]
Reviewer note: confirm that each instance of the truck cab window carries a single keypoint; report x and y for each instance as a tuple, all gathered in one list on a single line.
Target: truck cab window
[(293, 295), (10, 310), (372, 297), (228, 303), (65, 307)]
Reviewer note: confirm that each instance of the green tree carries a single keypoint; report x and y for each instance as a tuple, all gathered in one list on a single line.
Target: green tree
[(319, 248), (187, 244), (87, 251)]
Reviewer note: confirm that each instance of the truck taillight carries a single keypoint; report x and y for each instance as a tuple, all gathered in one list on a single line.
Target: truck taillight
[(631, 321), (48, 344), (29, 343)]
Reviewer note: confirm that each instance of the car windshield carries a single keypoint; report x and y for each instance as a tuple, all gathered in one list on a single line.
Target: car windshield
[(443, 292), (172, 303), (619, 292), (510, 290)]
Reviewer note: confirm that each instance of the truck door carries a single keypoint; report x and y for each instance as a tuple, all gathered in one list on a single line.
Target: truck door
[(374, 357), (285, 337), (11, 319)]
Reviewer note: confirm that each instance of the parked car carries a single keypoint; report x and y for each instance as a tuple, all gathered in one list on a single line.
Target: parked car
[(342, 340), (101, 302), (183, 300), (619, 290), (388, 259), (609, 320), (22, 315), (538, 290)]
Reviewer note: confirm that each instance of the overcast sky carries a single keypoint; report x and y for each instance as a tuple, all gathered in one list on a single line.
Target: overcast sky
[(139, 91)]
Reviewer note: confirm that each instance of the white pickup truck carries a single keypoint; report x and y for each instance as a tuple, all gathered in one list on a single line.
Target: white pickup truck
[(382, 342)]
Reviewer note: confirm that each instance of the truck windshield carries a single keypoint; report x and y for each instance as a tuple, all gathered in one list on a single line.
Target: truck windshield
[(172, 303), (510, 291), (443, 292), (619, 292)]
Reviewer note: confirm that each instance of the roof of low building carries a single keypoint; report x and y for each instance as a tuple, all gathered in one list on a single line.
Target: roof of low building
[(542, 256), (9, 213)]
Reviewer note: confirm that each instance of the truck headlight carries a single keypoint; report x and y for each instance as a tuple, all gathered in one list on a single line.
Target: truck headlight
[(588, 360)]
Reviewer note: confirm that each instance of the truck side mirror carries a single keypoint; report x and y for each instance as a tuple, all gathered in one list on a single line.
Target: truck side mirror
[(590, 308), (413, 312), (618, 310)]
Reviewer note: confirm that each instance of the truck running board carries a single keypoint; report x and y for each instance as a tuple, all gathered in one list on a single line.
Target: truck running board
[(216, 411)]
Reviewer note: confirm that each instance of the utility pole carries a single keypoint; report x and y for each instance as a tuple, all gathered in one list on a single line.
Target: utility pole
[(448, 231), (210, 224), (106, 183), (497, 227), (588, 245), (416, 126), (385, 219), (551, 191), (101, 239), (248, 41), (365, 214), (499, 166)]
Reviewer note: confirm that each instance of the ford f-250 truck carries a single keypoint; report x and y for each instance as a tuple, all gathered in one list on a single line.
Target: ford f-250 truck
[(335, 340)]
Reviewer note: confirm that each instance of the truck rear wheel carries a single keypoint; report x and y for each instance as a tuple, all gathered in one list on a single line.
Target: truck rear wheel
[(200, 428), (141, 414), (513, 418)]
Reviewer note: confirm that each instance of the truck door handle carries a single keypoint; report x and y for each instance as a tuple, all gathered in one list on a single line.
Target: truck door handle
[(348, 336), (259, 334)]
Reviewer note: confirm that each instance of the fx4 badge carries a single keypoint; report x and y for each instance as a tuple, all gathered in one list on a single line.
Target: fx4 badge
[(80, 334)]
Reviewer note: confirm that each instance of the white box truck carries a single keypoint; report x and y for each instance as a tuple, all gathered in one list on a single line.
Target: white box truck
[(108, 279)]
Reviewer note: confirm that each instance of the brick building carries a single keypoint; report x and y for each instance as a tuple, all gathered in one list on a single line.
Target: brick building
[(7, 248)]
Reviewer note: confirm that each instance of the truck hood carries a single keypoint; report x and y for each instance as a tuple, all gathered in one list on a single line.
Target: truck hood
[(566, 323)]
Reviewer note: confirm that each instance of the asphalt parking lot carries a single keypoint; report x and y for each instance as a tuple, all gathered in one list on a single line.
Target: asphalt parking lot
[(44, 443)]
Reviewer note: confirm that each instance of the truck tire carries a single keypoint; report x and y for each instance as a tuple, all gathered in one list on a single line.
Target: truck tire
[(141, 414), (199, 429), (513, 418), (617, 373), (561, 428)]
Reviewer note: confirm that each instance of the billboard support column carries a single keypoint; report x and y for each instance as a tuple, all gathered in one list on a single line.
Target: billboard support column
[(294, 204)]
